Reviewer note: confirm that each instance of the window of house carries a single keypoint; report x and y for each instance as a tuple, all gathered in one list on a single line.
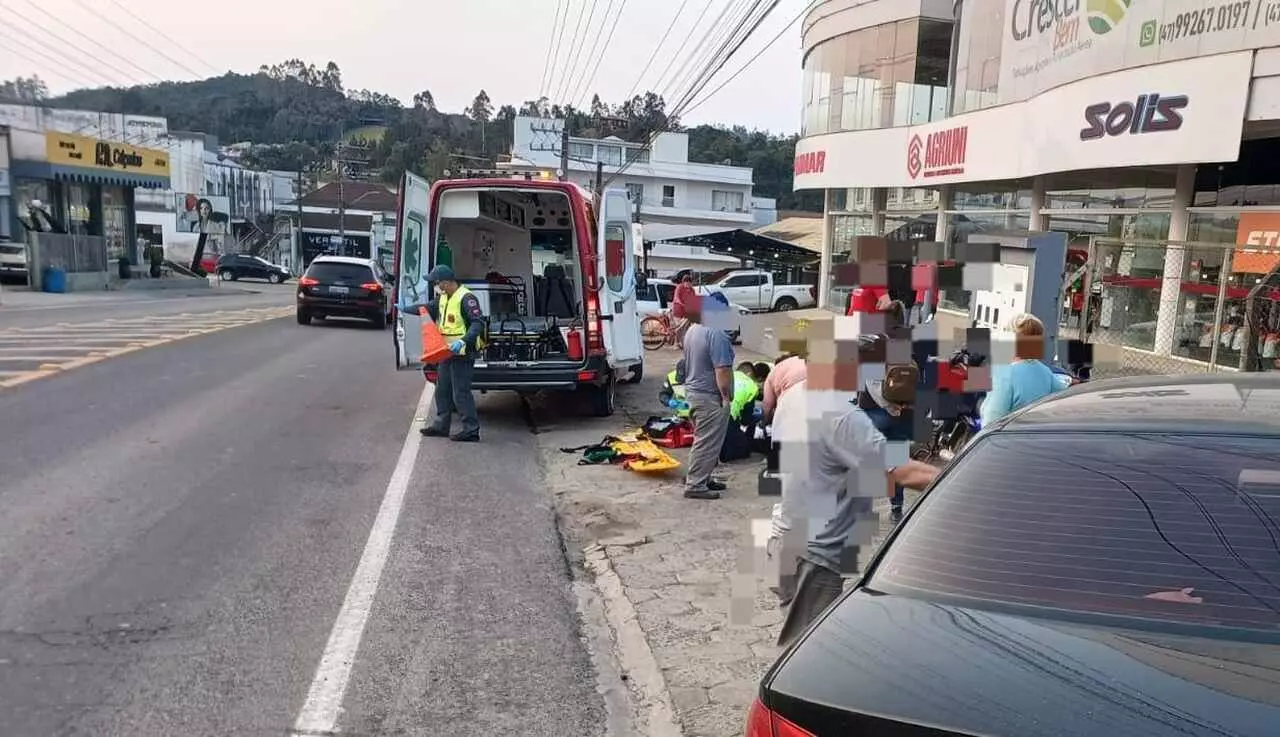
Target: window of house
[(723, 201), (584, 151), (638, 155), (610, 155), (635, 192), (668, 195)]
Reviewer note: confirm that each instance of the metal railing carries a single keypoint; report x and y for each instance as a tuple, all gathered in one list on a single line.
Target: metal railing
[(1161, 307), (74, 254)]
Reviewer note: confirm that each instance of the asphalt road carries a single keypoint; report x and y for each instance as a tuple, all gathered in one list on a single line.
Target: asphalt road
[(182, 525)]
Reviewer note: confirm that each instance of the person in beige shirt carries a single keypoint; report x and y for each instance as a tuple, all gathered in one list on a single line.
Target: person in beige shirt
[(787, 372)]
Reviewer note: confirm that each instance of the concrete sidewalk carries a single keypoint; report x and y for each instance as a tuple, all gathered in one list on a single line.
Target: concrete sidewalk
[(692, 572), (15, 298)]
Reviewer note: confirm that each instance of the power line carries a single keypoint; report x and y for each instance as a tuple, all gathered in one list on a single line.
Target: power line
[(96, 77), (590, 78), (679, 107), (576, 47), (54, 71), (712, 43), (750, 61), (701, 85), (553, 42), (698, 47), (169, 36), (656, 49), (131, 35), (571, 94), (657, 83), (123, 74)]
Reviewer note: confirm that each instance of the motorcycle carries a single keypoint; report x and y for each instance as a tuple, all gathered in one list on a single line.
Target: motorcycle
[(962, 421)]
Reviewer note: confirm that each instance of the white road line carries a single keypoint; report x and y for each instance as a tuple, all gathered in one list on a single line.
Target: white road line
[(320, 711)]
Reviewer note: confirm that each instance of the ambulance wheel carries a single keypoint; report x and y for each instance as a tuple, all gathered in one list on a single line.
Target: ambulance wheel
[(603, 397), (637, 373)]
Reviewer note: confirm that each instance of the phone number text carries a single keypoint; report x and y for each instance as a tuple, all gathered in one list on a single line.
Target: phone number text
[(1225, 17)]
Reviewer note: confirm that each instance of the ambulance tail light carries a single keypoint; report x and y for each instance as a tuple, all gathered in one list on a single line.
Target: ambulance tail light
[(595, 330)]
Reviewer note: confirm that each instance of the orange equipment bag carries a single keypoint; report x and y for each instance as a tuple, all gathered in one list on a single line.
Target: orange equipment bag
[(434, 347)]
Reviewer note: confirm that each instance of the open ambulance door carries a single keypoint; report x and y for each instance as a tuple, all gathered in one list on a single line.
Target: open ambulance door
[(412, 262), (617, 284)]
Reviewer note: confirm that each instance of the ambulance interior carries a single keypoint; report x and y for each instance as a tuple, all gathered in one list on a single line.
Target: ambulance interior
[(517, 251)]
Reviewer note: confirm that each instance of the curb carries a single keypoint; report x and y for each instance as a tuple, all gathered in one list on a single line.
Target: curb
[(656, 714)]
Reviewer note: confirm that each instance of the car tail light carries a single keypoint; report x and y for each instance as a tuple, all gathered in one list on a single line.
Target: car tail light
[(307, 281), (764, 723), (372, 286), (595, 332)]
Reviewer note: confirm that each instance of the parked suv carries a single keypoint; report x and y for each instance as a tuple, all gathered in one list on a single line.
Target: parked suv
[(339, 286), (13, 260), (235, 266)]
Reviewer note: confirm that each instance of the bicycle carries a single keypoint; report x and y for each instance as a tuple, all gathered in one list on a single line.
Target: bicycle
[(657, 331)]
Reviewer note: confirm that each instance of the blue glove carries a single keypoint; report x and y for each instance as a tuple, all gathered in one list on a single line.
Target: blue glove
[(457, 346), (673, 403), (757, 413)]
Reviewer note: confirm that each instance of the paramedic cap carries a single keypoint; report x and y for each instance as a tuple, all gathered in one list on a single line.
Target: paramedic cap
[(441, 273)]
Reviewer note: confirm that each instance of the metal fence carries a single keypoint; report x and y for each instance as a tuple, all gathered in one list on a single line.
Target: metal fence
[(1173, 307), (74, 254)]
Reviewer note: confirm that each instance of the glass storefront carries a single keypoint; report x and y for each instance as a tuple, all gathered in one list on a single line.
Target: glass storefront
[(980, 36), (889, 75), (115, 222), (844, 229)]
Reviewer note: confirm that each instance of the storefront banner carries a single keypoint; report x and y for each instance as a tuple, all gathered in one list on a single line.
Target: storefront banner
[(65, 149), (1188, 111), (1259, 237), (1047, 43)]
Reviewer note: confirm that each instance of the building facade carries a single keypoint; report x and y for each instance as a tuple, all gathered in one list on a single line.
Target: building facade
[(81, 170), (673, 196), (1148, 132)]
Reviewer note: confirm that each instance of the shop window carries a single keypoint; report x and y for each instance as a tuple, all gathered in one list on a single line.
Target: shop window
[(844, 229), (912, 199), (1017, 196), (857, 199)]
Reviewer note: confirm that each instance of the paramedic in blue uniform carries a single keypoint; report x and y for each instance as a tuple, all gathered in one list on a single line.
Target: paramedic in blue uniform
[(456, 311)]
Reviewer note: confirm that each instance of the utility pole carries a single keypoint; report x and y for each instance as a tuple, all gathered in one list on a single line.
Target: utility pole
[(564, 152), (342, 205), (599, 186), (298, 255)]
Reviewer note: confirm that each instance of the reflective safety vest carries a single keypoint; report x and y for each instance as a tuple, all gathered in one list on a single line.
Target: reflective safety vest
[(452, 323), (745, 390), (677, 392)]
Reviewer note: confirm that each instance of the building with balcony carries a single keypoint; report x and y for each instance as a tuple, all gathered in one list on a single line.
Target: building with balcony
[(674, 197), (1151, 143)]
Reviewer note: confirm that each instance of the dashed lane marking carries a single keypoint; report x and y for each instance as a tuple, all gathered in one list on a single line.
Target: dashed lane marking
[(27, 354)]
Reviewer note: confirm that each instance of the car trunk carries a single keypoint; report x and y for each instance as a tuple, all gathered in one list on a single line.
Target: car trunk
[(518, 252)]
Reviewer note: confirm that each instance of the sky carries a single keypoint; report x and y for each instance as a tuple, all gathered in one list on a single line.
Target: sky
[(453, 48)]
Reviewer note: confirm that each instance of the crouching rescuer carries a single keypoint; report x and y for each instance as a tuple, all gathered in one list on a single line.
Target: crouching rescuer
[(456, 311)]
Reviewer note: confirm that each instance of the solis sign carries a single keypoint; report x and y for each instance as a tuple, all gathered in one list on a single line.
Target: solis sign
[(938, 154), (1150, 113), (812, 162)]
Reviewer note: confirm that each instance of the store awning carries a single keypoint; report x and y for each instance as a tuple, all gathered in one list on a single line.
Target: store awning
[(752, 246), (54, 172)]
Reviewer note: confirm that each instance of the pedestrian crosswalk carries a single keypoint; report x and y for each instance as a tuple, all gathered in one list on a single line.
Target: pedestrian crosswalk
[(27, 354)]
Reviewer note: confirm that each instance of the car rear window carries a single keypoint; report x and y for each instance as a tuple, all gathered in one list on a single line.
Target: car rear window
[(1180, 528), (327, 273)]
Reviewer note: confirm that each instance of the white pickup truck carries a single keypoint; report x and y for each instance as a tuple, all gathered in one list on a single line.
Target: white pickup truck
[(758, 292)]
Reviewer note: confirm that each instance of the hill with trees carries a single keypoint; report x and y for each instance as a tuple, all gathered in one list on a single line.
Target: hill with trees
[(294, 112)]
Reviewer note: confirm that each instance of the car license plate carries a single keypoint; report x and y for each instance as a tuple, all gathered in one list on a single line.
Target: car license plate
[(338, 290)]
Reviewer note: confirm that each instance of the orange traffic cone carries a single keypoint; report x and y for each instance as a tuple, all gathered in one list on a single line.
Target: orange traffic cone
[(434, 347)]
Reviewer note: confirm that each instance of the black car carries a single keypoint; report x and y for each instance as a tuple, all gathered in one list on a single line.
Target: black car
[(234, 266), (1103, 562), (338, 286)]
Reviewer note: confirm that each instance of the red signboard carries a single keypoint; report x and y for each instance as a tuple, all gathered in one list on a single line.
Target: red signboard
[(813, 162), (938, 154)]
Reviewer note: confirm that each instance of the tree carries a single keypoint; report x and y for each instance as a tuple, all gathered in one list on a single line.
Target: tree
[(481, 109), (539, 108), (424, 100), (29, 90)]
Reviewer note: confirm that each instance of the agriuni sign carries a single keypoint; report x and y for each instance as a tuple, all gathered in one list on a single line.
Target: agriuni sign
[(938, 154), (65, 149)]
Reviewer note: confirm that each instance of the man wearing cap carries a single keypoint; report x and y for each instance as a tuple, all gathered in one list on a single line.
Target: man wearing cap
[(456, 311)]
